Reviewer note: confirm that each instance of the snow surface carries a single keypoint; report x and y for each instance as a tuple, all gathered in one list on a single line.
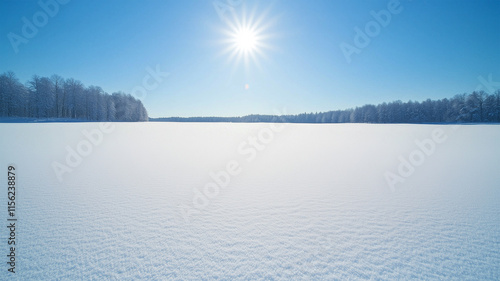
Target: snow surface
[(314, 204)]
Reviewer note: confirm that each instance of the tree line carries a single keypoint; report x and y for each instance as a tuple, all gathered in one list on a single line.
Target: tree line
[(56, 97), (477, 107)]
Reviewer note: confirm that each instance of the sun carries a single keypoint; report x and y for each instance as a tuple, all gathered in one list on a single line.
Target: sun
[(245, 40)]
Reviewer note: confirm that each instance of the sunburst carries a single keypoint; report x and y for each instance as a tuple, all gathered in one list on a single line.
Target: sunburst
[(246, 38)]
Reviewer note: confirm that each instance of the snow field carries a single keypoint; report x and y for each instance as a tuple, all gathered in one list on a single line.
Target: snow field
[(312, 202)]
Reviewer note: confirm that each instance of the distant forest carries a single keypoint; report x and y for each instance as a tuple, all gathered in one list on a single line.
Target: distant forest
[(477, 107), (56, 97)]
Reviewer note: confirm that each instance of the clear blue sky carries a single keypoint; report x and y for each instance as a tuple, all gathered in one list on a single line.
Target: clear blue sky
[(430, 49)]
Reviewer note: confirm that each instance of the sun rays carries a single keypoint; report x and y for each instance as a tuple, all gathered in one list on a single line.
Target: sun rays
[(246, 38)]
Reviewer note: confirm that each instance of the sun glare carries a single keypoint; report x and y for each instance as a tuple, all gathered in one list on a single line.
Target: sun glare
[(245, 40)]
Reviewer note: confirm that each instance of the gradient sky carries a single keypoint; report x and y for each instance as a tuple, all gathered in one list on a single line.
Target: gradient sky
[(431, 49)]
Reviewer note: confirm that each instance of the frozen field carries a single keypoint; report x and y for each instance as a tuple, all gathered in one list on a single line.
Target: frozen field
[(192, 201)]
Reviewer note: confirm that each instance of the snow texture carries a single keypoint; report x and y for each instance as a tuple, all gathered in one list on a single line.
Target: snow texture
[(313, 204)]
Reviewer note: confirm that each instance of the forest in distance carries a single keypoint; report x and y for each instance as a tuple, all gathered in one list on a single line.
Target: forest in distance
[(56, 97), (477, 107)]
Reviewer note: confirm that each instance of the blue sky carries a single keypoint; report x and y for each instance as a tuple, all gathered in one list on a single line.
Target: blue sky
[(429, 49)]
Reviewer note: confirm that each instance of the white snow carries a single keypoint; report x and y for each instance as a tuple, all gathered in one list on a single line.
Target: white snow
[(312, 204)]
